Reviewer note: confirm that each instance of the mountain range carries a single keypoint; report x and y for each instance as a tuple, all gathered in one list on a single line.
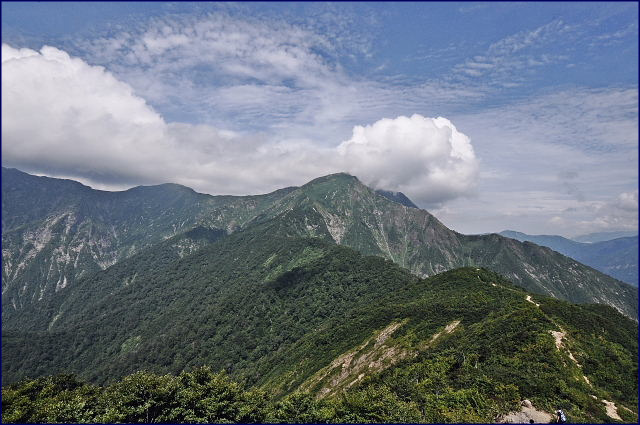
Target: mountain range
[(603, 236), (616, 257), (57, 231), (373, 307)]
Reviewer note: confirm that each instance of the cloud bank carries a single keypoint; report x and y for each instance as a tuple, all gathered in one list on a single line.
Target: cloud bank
[(621, 213), (62, 116)]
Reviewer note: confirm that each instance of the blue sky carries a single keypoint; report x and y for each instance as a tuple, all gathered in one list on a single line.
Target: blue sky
[(539, 102)]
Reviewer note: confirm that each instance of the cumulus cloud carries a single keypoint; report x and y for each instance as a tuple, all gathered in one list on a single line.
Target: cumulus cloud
[(60, 111), (427, 158), (62, 116)]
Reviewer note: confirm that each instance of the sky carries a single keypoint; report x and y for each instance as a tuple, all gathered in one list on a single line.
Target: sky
[(491, 116)]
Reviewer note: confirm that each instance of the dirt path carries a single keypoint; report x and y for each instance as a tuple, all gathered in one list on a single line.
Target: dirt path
[(527, 412), (559, 335)]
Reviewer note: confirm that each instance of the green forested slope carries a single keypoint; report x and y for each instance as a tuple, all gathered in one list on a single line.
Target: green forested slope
[(285, 306), (339, 208), (286, 314), (174, 313), (463, 346)]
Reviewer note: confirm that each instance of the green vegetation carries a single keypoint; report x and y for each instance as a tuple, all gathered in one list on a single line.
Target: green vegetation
[(300, 329), (275, 313), (199, 396), (56, 232)]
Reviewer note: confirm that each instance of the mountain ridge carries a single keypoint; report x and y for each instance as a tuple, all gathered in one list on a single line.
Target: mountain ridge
[(353, 215), (338, 208), (296, 306)]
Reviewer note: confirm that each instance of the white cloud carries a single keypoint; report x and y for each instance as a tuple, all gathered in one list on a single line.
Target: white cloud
[(62, 116), (617, 36), (61, 111), (566, 154), (176, 58), (427, 158), (506, 61), (264, 74), (282, 88), (524, 39), (620, 213)]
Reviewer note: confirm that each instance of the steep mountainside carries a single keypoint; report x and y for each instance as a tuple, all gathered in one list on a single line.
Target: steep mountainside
[(339, 208), (228, 304), (292, 314), (56, 231), (617, 257), (67, 237)]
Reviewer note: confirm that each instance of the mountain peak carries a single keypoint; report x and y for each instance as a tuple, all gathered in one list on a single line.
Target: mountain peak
[(338, 178), (160, 188), (336, 181), (332, 185)]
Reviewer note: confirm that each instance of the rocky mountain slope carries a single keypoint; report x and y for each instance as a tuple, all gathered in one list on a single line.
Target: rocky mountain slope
[(56, 231), (316, 297), (61, 237), (616, 257)]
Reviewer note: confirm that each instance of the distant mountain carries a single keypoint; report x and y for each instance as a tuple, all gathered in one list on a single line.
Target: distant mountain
[(58, 231), (617, 257), (398, 197), (604, 236)]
